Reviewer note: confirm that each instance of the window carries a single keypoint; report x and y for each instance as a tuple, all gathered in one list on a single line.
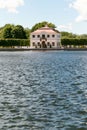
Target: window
[(43, 36), (48, 43), (33, 43), (53, 43), (38, 36), (48, 35), (33, 36), (53, 35), (38, 43)]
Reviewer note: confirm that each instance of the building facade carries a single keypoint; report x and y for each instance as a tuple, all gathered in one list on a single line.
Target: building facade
[(45, 37)]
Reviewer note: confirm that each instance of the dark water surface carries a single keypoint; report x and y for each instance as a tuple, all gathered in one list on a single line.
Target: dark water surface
[(43, 90)]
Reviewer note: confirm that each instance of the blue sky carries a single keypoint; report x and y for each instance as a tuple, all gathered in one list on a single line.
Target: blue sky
[(67, 15)]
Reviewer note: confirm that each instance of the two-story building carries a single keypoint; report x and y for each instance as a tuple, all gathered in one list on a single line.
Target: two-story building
[(45, 37)]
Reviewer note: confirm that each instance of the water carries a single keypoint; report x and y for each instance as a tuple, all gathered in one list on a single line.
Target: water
[(43, 90)]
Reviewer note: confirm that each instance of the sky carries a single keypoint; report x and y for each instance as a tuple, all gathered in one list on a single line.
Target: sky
[(67, 15)]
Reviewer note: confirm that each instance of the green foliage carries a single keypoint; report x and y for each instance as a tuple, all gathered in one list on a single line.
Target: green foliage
[(14, 42), (7, 31), (11, 31), (1, 30), (83, 36), (71, 35), (27, 32), (42, 24), (73, 41), (68, 35), (18, 32)]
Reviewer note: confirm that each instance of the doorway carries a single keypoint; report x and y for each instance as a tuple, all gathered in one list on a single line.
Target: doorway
[(44, 44)]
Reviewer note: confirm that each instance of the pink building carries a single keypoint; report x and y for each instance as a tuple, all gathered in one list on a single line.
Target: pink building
[(45, 37)]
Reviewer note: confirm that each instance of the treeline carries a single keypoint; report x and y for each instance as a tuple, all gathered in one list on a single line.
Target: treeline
[(17, 35), (10, 31), (65, 35), (19, 32)]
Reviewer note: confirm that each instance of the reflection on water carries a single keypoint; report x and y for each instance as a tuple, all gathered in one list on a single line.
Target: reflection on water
[(43, 90)]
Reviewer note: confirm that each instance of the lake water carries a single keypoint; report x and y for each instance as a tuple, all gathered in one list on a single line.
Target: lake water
[(43, 90)]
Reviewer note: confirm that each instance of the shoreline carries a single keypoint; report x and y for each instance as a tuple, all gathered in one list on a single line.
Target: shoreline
[(43, 49)]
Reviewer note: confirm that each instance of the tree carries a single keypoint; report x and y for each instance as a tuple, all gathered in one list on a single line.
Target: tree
[(42, 24), (18, 32), (7, 31), (27, 32), (83, 36), (1, 30), (68, 35)]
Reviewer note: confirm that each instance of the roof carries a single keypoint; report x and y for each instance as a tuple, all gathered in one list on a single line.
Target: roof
[(46, 29)]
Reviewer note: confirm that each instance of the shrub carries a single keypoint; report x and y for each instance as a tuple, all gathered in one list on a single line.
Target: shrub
[(73, 41), (14, 42)]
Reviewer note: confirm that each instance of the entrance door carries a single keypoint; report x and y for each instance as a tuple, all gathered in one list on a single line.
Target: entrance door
[(44, 44)]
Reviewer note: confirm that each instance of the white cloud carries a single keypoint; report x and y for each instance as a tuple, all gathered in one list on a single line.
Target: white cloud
[(11, 5), (81, 7), (67, 27)]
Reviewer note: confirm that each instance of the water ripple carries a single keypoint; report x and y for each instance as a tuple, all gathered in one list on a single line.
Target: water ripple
[(43, 90)]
